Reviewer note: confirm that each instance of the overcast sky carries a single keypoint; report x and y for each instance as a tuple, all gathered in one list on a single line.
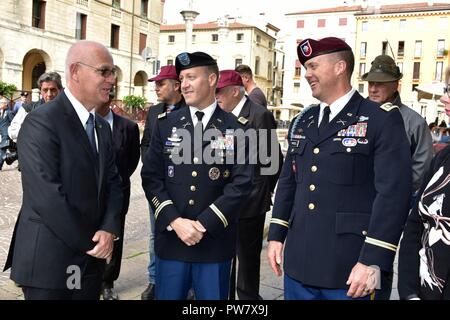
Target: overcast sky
[(210, 10)]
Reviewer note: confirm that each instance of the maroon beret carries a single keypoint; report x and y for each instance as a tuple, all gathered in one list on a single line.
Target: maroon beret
[(310, 48), (166, 72), (229, 78)]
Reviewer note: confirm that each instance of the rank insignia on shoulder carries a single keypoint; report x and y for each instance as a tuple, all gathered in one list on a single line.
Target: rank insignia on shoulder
[(388, 106), (242, 120), (162, 115)]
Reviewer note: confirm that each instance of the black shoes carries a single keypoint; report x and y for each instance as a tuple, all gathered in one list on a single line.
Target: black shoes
[(149, 293), (109, 294)]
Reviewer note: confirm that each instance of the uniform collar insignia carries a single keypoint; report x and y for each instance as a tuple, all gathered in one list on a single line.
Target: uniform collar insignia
[(363, 118)]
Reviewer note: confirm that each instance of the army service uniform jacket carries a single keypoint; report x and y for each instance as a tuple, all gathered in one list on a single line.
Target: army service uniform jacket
[(210, 193), (343, 196)]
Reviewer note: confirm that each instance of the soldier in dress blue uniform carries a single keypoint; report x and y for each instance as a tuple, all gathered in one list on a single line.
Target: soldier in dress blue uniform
[(343, 194), (195, 202)]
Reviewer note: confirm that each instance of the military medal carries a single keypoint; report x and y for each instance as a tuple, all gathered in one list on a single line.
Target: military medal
[(361, 129), (214, 173)]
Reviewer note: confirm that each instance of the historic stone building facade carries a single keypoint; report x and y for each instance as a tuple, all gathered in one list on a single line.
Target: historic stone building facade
[(231, 43), (35, 37)]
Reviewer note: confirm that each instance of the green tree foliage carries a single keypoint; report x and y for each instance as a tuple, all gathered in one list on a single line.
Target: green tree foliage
[(7, 89), (134, 102)]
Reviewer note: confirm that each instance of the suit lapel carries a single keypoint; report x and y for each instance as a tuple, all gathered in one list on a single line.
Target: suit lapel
[(343, 119), (118, 132), (101, 131), (75, 125), (245, 111), (309, 124)]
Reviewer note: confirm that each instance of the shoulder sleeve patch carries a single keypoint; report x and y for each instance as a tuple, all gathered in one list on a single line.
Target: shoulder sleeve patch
[(388, 106), (242, 120), (162, 115)]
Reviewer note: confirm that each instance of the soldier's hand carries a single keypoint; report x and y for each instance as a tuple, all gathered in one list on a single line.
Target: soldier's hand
[(104, 247), (275, 255), (189, 231), (360, 281)]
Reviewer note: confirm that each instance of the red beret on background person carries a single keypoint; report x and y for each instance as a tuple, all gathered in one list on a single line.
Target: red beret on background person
[(229, 78), (310, 48), (166, 72)]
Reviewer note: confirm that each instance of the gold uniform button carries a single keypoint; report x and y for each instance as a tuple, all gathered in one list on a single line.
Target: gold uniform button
[(194, 173), (193, 188), (316, 150), (191, 202), (195, 160), (312, 187), (311, 206), (313, 168), (364, 233)]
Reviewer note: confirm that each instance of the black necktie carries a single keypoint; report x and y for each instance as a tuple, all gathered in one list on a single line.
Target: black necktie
[(199, 116), (325, 119), (90, 132)]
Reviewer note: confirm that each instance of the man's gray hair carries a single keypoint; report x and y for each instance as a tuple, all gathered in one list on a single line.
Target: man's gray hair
[(50, 76), (4, 100)]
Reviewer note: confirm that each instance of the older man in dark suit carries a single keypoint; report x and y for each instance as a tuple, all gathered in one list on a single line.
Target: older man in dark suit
[(72, 195), (231, 97), (125, 135)]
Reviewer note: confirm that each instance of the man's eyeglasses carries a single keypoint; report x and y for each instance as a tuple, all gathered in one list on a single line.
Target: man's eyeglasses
[(104, 72), (447, 90)]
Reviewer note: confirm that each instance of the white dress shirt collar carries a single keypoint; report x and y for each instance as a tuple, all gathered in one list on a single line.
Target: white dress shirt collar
[(208, 111), (81, 111), (237, 110), (337, 105)]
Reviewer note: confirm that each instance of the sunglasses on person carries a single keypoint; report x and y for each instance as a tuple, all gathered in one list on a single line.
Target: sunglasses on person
[(104, 72)]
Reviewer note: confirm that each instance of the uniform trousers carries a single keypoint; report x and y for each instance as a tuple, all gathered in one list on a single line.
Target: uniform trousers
[(210, 281), (295, 290)]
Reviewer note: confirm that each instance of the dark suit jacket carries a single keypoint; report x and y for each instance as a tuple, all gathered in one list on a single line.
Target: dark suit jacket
[(263, 185), (150, 123), (343, 195), (65, 201), (126, 147)]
